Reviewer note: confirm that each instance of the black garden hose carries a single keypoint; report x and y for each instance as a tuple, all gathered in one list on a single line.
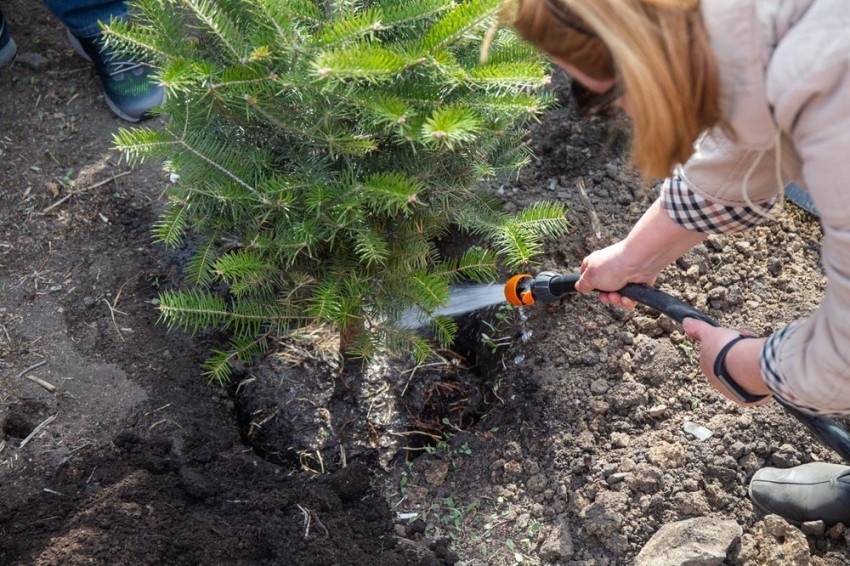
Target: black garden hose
[(548, 286)]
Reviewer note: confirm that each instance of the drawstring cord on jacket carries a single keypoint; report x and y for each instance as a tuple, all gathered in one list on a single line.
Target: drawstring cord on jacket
[(760, 210)]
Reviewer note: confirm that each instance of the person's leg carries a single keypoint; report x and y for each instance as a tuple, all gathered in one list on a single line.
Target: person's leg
[(128, 85), (83, 17), (7, 44)]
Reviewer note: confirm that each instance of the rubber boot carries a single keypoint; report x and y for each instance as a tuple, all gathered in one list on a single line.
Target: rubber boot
[(817, 491)]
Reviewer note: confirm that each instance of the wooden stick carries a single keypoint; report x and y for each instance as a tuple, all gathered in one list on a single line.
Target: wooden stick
[(37, 429), (90, 187), (29, 369), (594, 219), (38, 381)]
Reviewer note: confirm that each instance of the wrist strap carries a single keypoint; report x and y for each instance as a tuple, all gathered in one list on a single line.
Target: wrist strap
[(723, 375)]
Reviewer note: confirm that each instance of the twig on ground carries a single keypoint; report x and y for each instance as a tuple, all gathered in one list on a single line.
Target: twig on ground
[(245, 382), (591, 212), (422, 432), (306, 520), (409, 379), (309, 517), (2, 446), (78, 448), (254, 426), (318, 522), (163, 421), (30, 368), (38, 381), (37, 430), (89, 188), (304, 455), (158, 409), (120, 290), (112, 312)]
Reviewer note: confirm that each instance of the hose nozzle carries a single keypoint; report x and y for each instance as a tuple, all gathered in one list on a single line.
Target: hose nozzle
[(545, 287)]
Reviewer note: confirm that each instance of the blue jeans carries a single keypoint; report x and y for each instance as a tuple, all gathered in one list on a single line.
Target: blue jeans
[(82, 17)]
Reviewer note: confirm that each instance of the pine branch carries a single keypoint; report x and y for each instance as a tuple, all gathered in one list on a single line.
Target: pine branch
[(520, 75), (192, 310), (198, 268), (363, 62), (142, 46), (445, 329), (395, 13), (461, 21), (171, 227), (141, 142), (219, 367), (546, 219), (345, 30), (450, 127), (220, 25), (305, 10), (428, 291), (392, 193), (371, 249), (476, 263)]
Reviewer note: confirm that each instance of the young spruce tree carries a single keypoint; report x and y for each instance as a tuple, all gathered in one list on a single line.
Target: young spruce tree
[(321, 149)]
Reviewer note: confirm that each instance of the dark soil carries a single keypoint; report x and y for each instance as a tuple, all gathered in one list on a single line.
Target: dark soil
[(553, 435)]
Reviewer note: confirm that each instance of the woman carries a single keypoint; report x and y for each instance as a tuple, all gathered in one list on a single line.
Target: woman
[(735, 98)]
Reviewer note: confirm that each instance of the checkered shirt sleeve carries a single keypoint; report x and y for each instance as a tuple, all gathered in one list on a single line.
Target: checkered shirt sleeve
[(779, 384), (693, 212)]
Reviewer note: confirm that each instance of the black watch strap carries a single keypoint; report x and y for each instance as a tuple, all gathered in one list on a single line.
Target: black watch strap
[(723, 374)]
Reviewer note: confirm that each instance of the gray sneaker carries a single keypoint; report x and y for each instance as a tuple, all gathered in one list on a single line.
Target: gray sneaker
[(128, 85), (8, 49), (817, 491)]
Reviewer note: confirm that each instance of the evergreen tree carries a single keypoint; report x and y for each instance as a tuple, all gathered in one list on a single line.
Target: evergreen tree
[(322, 149)]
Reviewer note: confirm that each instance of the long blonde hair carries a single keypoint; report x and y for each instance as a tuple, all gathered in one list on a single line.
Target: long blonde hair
[(658, 50)]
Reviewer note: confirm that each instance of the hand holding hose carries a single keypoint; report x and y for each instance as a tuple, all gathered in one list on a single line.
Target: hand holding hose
[(653, 243), (740, 360), (608, 270)]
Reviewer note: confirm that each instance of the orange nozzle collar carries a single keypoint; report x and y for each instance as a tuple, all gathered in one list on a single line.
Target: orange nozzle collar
[(518, 298)]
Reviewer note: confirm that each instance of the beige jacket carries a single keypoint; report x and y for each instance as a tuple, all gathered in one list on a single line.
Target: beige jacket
[(785, 74)]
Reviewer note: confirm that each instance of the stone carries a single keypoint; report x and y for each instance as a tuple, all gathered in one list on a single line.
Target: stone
[(772, 538), (604, 516), (645, 478), (436, 473), (657, 410), (666, 455), (558, 545), (813, 528), (620, 440), (702, 541), (32, 61)]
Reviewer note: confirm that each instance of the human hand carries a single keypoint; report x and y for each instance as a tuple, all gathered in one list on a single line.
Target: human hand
[(742, 361), (609, 270)]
